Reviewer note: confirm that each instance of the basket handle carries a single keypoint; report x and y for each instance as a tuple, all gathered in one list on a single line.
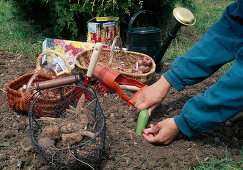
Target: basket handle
[(67, 66), (29, 84), (119, 43), (113, 46)]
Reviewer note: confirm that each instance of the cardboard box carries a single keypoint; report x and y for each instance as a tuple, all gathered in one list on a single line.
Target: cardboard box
[(103, 29)]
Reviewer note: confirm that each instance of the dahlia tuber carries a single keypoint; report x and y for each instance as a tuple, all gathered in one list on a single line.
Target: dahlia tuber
[(46, 142), (142, 66), (74, 138), (146, 61), (86, 133), (80, 104), (67, 130), (144, 69), (68, 127), (50, 131), (71, 138)]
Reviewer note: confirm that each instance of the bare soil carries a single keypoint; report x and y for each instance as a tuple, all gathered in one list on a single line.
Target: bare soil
[(123, 148)]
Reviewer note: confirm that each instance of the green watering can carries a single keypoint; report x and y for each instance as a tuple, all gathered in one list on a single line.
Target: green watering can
[(148, 39)]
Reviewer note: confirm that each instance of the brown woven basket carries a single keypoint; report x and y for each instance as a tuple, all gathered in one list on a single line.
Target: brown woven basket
[(119, 60), (20, 100), (17, 100)]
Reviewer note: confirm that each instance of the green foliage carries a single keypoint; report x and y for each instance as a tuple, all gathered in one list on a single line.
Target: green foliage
[(68, 18)]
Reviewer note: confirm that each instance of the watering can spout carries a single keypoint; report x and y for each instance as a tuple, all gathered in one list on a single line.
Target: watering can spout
[(183, 17)]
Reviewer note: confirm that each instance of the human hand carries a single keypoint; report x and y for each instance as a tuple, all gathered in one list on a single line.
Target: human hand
[(153, 95), (164, 132)]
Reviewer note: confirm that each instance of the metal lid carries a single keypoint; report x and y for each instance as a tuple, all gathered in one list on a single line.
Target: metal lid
[(184, 16)]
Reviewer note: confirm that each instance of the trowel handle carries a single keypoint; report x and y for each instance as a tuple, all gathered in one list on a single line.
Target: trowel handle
[(93, 61), (57, 82), (94, 58)]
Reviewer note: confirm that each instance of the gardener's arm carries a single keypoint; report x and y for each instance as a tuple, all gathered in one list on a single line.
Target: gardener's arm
[(219, 103)]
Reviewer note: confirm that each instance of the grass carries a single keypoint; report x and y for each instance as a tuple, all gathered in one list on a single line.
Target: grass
[(16, 35), (217, 164), (21, 37)]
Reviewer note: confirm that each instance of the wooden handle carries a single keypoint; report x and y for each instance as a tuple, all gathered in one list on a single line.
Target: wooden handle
[(67, 67), (57, 82), (94, 58), (129, 87)]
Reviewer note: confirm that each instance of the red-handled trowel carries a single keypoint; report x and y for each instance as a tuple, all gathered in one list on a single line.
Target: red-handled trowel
[(110, 78)]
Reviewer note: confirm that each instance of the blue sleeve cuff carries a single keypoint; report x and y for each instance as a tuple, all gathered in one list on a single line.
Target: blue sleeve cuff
[(182, 125), (173, 80)]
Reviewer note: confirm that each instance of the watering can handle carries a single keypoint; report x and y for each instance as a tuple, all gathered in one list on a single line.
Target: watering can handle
[(138, 13)]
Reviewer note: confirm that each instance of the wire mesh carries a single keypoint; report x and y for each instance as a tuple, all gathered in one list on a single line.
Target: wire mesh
[(85, 128)]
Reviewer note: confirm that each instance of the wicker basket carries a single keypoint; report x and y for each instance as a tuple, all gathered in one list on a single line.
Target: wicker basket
[(67, 70), (18, 100), (115, 59)]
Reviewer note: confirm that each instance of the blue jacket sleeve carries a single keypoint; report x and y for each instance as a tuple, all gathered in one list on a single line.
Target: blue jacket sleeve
[(222, 43), (219, 103)]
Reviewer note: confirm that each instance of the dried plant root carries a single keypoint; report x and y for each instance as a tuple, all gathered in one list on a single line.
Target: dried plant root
[(50, 119), (70, 112), (80, 104), (70, 129)]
